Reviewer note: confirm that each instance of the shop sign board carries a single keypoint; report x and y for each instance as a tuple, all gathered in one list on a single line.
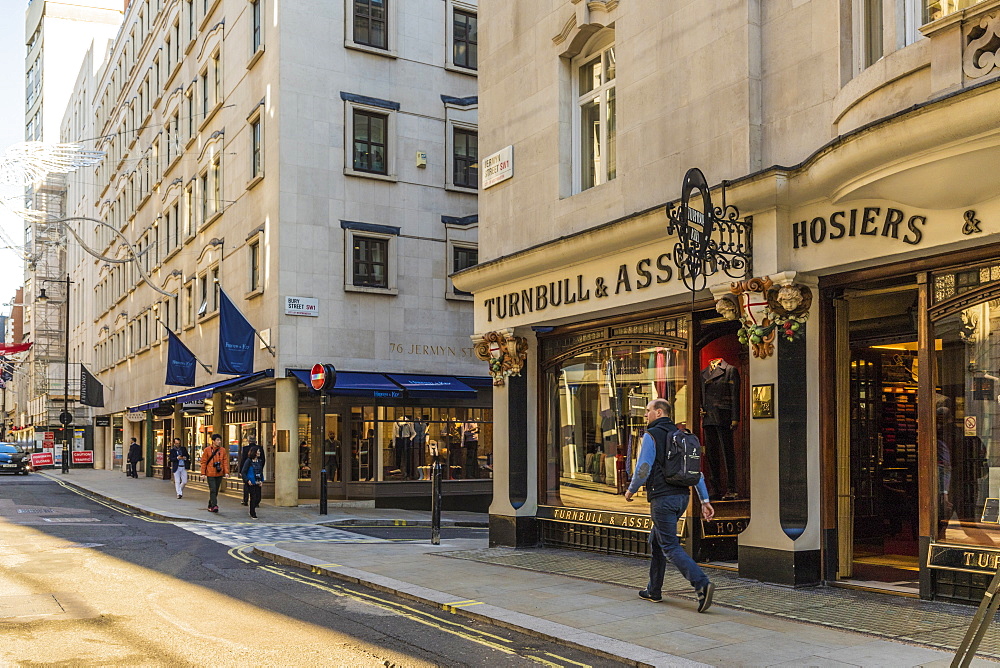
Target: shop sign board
[(135, 416), (102, 421), (963, 558), (83, 457), (302, 306), (602, 518), (498, 167), (42, 459)]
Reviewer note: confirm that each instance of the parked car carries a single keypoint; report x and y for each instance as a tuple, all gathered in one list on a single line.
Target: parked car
[(13, 459)]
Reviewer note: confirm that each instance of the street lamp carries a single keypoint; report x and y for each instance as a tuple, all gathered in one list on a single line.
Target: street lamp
[(65, 418)]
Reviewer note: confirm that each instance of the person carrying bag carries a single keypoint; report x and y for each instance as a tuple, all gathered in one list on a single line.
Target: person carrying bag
[(214, 466)]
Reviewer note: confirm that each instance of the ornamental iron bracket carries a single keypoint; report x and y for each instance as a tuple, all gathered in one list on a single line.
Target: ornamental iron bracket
[(709, 239)]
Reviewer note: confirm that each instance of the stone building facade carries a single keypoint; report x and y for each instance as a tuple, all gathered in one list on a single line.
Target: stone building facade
[(845, 398)]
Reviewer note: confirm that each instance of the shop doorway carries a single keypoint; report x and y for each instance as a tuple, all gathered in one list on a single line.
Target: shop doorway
[(879, 525)]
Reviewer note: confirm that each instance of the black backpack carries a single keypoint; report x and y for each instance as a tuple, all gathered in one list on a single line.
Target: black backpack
[(680, 460)]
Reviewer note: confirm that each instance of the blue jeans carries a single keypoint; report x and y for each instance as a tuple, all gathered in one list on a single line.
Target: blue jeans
[(665, 546), (213, 490)]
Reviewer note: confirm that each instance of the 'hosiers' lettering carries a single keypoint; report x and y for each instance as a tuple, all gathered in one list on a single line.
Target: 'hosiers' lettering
[(869, 221)]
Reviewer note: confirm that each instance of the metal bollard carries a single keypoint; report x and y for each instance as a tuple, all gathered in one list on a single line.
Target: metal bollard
[(322, 492), (436, 504)]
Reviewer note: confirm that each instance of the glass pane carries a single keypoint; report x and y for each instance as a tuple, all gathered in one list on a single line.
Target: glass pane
[(967, 415), (378, 130), (590, 143), (590, 76), (305, 446), (597, 420), (609, 65), (611, 159)]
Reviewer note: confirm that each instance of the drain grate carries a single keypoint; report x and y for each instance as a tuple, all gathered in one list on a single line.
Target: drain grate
[(931, 623)]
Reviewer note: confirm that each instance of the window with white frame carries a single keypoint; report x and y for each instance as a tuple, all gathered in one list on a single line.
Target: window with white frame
[(189, 209), (464, 37), (256, 145), (256, 27), (215, 184), (189, 304), (595, 116), (371, 23), (370, 133), (370, 258), (254, 278), (370, 141), (465, 157)]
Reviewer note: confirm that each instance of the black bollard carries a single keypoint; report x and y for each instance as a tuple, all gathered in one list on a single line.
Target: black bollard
[(322, 492), (436, 504)]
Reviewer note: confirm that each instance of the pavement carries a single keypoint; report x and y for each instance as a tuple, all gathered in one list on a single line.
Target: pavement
[(577, 599)]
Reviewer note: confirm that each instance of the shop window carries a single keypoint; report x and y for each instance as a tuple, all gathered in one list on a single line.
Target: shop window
[(596, 419), (596, 113), (967, 422)]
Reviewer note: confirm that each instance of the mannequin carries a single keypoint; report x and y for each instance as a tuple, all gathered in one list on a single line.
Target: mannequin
[(418, 442), (402, 434), (470, 442), (720, 409)]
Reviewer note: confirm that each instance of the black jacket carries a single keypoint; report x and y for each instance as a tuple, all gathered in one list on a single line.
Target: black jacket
[(245, 454), (175, 453), (720, 394), (661, 430), (134, 453)]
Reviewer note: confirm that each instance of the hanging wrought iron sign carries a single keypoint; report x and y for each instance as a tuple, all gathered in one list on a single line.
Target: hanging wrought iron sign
[(709, 239)]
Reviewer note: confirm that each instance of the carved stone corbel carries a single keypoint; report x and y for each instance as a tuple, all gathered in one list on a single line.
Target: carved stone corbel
[(506, 354)]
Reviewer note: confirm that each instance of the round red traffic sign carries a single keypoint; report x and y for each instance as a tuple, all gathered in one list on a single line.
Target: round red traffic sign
[(317, 377)]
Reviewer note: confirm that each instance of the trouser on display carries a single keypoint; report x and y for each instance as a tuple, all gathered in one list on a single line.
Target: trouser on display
[(471, 460), (721, 455)]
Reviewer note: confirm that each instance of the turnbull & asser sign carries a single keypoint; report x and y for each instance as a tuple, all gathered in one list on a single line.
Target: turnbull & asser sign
[(869, 221)]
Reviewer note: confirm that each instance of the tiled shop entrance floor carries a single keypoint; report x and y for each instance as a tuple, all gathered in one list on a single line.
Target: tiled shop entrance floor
[(931, 623)]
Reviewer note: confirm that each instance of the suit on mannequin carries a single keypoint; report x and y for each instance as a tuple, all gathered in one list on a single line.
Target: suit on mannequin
[(720, 408), (402, 434)]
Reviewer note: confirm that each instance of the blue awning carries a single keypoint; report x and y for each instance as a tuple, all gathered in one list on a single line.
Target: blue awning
[(202, 392), (356, 384), (476, 381), (432, 387)]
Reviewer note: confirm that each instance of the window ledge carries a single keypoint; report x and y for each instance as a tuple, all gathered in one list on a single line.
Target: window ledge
[(385, 53), (451, 67), (257, 55), (374, 291), (209, 116), (171, 254), (208, 316), (391, 178), (254, 181), (190, 142), (211, 219), (190, 46), (173, 163), (187, 327), (459, 298), (253, 294), (451, 187)]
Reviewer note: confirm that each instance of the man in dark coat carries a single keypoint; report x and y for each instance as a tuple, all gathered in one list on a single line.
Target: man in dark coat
[(133, 459)]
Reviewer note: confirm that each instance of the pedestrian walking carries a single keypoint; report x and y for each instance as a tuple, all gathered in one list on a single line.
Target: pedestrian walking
[(244, 455), (667, 503), (214, 466), (133, 459), (252, 473), (180, 460)]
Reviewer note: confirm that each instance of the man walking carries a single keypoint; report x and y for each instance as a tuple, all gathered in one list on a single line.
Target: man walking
[(244, 456), (214, 466), (667, 503), (133, 458), (179, 463)]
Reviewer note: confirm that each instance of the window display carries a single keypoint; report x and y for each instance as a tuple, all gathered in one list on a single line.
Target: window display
[(402, 443), (967, 424), (597, 402)]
